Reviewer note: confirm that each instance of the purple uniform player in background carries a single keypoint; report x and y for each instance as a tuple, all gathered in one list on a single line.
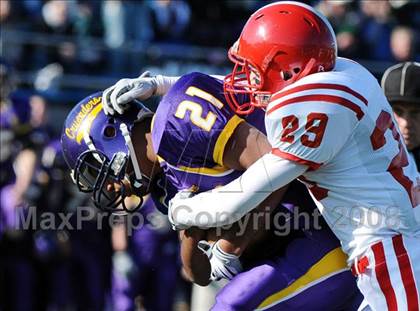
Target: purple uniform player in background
[(14, 262), (191, 127), (151, 270), (39, 269)]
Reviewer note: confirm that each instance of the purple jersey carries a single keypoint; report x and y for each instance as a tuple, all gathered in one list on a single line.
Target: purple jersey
[(190, 130)]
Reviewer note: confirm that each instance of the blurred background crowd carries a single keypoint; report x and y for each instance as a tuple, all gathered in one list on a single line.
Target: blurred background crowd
[(76, 45), (54, 53)]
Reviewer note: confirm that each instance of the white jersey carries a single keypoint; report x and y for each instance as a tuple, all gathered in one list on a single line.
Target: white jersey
[(341, 125)]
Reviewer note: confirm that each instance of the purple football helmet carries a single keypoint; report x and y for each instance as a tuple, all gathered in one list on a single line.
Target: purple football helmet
[(99, 151)]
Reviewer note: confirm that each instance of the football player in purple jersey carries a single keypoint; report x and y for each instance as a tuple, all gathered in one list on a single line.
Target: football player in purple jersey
[(196, 142)]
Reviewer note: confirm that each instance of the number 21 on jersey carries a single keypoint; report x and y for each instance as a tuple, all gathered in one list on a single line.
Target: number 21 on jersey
[(196, 110)]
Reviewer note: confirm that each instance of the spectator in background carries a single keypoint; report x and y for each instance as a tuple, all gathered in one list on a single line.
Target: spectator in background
[(406, 13), (4, 10), (58, 19), (38, 111), (376, 29), (402, 43), (41, 132), (125, 24), (401, 84), (130, 25), (76, 22), (345, 21), (169, 19), (33, 8), (10, 19)]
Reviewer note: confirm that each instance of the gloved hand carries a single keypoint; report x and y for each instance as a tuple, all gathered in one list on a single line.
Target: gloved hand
[(123, 264), (117, 97), (223, 265)]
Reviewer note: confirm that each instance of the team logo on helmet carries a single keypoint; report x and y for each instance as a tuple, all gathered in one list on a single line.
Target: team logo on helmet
[(83, 120)]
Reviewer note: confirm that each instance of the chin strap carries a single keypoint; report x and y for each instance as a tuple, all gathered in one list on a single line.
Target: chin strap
[(137, 172), (91, 147)]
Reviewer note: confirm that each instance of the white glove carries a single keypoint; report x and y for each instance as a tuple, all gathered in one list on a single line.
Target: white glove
[(223, 265), (123, 263), (116, 97), (175, 201)]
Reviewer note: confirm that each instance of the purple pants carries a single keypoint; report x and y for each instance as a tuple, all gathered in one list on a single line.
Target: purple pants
[(310, 275)]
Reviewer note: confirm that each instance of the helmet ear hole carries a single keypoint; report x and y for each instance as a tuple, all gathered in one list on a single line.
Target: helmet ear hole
[(286, 75), (110, 131), (296, 70)]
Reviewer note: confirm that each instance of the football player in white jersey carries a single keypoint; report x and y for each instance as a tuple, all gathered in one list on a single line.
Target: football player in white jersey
[(331, 126)]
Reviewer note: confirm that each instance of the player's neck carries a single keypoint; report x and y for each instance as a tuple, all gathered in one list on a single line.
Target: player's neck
[(151, 156), (146, 156)]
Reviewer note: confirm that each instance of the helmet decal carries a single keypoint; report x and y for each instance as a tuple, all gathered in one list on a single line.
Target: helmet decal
[(83, 120)]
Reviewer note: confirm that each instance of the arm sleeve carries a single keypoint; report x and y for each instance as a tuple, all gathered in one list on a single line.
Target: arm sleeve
[(164, 83), (226, 205)]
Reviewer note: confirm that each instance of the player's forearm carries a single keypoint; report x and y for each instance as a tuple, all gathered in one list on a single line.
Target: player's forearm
[(235, 242), (226, 205), (195, 263), (252, 228)]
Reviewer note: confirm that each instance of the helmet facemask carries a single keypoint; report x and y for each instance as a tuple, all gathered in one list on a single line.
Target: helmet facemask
[(99, 151), (246, 79), (94, 171)]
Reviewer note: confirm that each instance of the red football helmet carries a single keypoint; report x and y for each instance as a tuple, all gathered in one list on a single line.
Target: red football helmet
[(281, 43)]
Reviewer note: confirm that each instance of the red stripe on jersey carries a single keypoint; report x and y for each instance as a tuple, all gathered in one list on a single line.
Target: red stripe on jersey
[(312, 86), (318, 192), (382, 274), (404, 181), (324, 98), (288, 156), (406, 272), (377, 138)]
